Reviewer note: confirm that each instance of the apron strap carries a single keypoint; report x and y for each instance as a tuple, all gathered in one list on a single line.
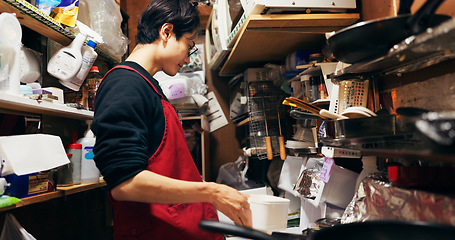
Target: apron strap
[(134, 70)]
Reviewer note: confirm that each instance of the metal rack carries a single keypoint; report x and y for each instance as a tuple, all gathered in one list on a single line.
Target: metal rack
[(263, 107)]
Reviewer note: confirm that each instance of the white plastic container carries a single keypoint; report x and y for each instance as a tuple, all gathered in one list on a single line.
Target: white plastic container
[(261, 190), (30, 65), (269, 213), (89, 56), (341, 187), (89, 171), (65, 64)]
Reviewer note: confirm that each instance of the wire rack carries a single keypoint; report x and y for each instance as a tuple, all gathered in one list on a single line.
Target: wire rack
[(263, 107)]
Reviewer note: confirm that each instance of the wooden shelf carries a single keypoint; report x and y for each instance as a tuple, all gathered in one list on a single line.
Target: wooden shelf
[(271, 37), (60, 192), (31, 17), (21, 104)]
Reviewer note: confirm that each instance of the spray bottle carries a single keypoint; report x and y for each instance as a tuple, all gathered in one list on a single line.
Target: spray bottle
[(65, 64), (89, 171), (89, 56)]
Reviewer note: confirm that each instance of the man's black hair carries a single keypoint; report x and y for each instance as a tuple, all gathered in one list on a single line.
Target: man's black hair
[(183, 14)]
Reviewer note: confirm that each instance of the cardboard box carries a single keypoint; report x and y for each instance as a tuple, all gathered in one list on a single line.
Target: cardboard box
[(30, 184)]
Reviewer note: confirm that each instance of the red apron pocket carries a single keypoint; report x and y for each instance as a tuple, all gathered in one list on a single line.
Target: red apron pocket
[(135, 222)]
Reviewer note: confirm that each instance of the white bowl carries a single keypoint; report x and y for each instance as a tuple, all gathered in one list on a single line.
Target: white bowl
[(353, 112)]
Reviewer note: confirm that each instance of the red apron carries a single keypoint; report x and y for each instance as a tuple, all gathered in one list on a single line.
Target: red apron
[(133, 220)]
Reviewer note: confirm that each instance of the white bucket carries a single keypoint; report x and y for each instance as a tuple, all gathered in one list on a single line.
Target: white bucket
[(269, 213)]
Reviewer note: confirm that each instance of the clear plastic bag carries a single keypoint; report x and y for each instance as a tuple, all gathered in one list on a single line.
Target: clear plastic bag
[(106, 20), (12, 230), (234, 174), (46, 6), (183, 85)]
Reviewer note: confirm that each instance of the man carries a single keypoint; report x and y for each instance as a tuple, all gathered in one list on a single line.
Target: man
[(155, 188)]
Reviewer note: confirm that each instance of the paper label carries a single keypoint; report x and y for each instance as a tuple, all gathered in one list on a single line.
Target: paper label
[(38, 183), (176, 91), (326, 170)]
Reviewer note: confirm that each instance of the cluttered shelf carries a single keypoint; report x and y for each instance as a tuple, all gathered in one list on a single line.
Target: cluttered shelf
[(261, 38), (23, 104), (416, 52), (31, 17), (60, 192), (423, 154)]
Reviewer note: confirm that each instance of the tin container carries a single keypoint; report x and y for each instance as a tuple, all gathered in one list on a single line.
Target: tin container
[(366, 127)]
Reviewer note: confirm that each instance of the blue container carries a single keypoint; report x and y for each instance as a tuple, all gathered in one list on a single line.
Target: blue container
[(27, 185)]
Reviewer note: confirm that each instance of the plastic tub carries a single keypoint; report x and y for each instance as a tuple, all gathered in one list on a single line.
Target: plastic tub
[(341, 187), (269, 213)]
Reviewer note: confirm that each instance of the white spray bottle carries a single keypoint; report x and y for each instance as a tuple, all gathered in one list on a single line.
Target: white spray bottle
[(65, 64), (89, 171), (89, 56)]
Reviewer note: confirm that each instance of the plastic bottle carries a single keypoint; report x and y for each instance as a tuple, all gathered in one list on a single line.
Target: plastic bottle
[(89, 56), (369, 167), (70, 174), (89, 171), (92, 82), (65, 64), (322, 89), (314, 82), (305, 79)]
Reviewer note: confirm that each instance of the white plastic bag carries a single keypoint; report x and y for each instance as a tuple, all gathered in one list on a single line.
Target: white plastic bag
[(106, 20), (183, 85), (233, 174), (12, 230)]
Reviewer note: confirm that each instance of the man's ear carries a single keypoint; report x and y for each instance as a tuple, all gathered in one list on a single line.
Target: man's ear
[(166, 31)]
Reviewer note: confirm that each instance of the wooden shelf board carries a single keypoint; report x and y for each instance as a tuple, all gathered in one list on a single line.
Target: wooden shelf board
[(22, 104), (60, 192), (270, 38), (334, 21)]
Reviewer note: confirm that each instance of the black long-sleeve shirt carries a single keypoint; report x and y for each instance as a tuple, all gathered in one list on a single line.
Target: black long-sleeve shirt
[(128, 124)]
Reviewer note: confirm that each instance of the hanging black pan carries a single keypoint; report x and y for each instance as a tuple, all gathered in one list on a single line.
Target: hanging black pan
[(371, 230), (374, 38)]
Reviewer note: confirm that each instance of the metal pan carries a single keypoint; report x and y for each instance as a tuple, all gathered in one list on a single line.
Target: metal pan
[(226, 228), (371, 230), (371, 39), (385, 230), (366, 127)]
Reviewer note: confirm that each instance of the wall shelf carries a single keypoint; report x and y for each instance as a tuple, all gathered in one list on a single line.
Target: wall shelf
[(60, 192), (271, 37), (23, 104), (31, 17)]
